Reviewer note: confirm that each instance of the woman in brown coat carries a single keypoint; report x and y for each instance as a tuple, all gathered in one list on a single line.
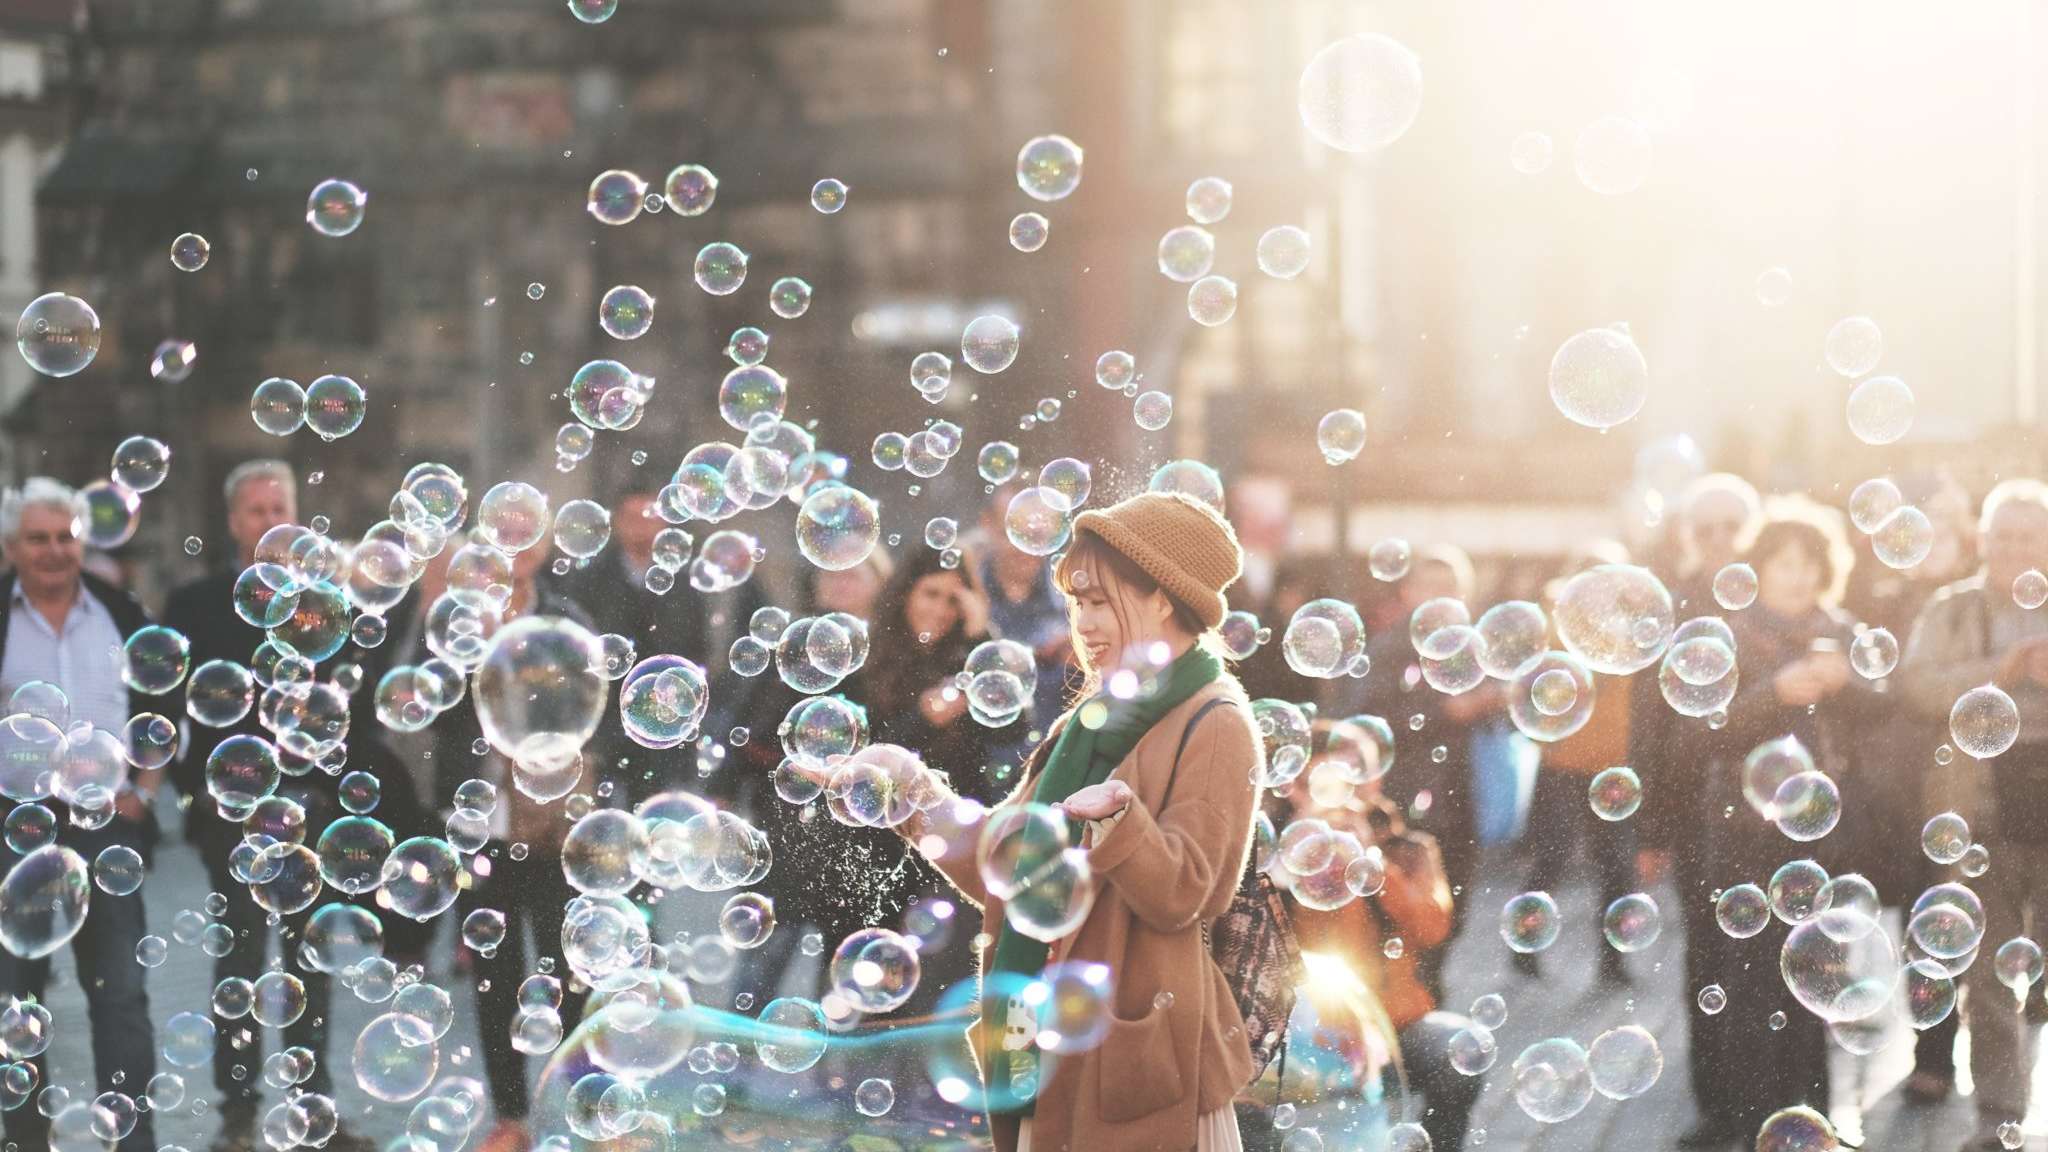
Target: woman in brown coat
[(1144, 581)]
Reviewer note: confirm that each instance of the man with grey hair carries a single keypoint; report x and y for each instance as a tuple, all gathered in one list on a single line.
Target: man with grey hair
[(67, 628), (1973, 633)]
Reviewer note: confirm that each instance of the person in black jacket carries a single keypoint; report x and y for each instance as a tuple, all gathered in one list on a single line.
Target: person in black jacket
[(63, 627), (261, 495)]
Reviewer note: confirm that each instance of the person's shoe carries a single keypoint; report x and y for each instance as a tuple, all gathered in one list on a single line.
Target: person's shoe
[(1707, 1134), (507, 1136), (1526, 964), (1924, 1088)]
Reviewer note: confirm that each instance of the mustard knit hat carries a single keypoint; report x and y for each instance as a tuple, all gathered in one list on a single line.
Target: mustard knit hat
[(1179, 541)]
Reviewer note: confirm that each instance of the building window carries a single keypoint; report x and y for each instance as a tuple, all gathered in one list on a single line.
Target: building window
[(1209, 77)]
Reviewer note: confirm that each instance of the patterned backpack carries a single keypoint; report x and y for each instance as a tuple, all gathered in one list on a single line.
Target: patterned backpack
[(1253, 942)]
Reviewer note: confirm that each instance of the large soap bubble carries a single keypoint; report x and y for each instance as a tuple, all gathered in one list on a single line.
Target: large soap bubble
[(43, 901), (1615, 617), (837, 528), (1840, 965), (1599, 378), (1360, 93), (540, 690)]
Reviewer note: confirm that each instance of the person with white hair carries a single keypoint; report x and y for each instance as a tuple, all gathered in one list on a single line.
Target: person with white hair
[(64, 629)]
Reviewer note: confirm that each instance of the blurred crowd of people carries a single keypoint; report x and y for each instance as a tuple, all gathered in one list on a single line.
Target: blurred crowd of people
[(1878, 737)]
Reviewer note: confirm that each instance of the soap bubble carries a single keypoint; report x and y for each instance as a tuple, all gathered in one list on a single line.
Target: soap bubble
[(1854, 346), (1038, 521), (1212, 300), (141, 463), (1798, 891), (189, 252), (1874, 653), (1323, 639), (875, 970), (335, 406), (989, 343), (616, 197), (1049, 167), (689, 190), (1872, 503), (1615, 793), (1071, 478), (1773, 287), (1283, 252), (1796, 1129), (2017, 964), (1984, 722), (1531, 153), (2030, 589), (109, 513), (154, 659), (173, 360), (540, 690), (1947, 921), (828, 195), (43, 901), (1945, 838), (1904, 539), (1735, 587), (837, 528), (789, 297), (1553, 1080), (1552, 697), (1612, 155), (720, 268), (395, 1057), (1115, 369), (1186, 254), (1473, 1050), (1598, 378), (874, 1097), (58, 334), (1742, 910), (1529, 922), (513, 516), (1615, 617), (1360, 93), (1632, 923), (117, 870), (421, 876), (1625, 1062), (1806, 806), (1881, 410), (1341, 435), (1189, 478), (626, 312), (1839, 964), (187, 1041), (792, 1034), (335, 207), (1712, 999), (1028, 231)]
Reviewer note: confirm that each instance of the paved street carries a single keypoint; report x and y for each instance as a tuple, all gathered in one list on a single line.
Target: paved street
[(1565, 1002)]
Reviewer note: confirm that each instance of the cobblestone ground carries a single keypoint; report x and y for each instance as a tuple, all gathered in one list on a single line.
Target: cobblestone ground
[(1566, 1001)]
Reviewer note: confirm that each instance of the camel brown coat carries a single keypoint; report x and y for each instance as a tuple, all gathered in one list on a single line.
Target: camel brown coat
[(1176, 1048)]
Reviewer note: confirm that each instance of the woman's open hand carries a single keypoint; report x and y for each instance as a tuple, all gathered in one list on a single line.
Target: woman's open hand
[(1099, 801)]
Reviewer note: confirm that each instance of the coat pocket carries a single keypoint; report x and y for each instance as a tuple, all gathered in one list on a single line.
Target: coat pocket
[(1139, 1068)]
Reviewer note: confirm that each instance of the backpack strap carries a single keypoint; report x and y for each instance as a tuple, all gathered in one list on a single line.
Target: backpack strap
[(1185, 733)]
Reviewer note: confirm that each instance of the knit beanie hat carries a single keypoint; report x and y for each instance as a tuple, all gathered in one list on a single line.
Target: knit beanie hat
[(1179, 541)]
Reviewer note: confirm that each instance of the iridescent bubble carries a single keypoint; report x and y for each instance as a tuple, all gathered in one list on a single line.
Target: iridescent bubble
[(1049, 167), (1806, 806), (1612, 155), (626, 312), (748, 346), (189, 252), (690, 189), (395, 1057), (1984, 722), (1735, 587), (1551, 697), (1632, 923), (1904, 539), (875, 970), (789, 297), (1323, 638), (720, 268), (616, 196), (1341, 435), (154, 659), (1874, 653), (2017, 964), (1945, 838), (1926, 994), (1797, 891), (997, 461), (1212, 300), (187, 1040), (1712, 999), (582, 528), (1840, 965), (173, 360), (1189, 478), (726, 560), (1625, 1062), (335, 406), (117, 870), (1881, 410), (828, 195), (989, 343), (1283, 252), (1360, 93), (1773, 287), (874, 1097), (1615, 617), (1531, 153), (1186, 254), (58, 334), (1529, 922), (278, 406), (1599, 378), (1873, 502), (1615, 793), (335, 207), (43, 901), (1038, 521), (1208, 199), (1947, 922), (1553, 1080), (1152, 410), (837, 528), (1072, 479), (141, 463), (1854, 346), (513, 516), (1742, 910), (792, 1034), (1028, 231), (1115, 369)]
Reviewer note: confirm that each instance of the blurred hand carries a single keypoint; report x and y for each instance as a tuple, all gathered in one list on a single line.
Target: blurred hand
[(1098, 801), (1831, 670), (1652, 866), (1798, 685)]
